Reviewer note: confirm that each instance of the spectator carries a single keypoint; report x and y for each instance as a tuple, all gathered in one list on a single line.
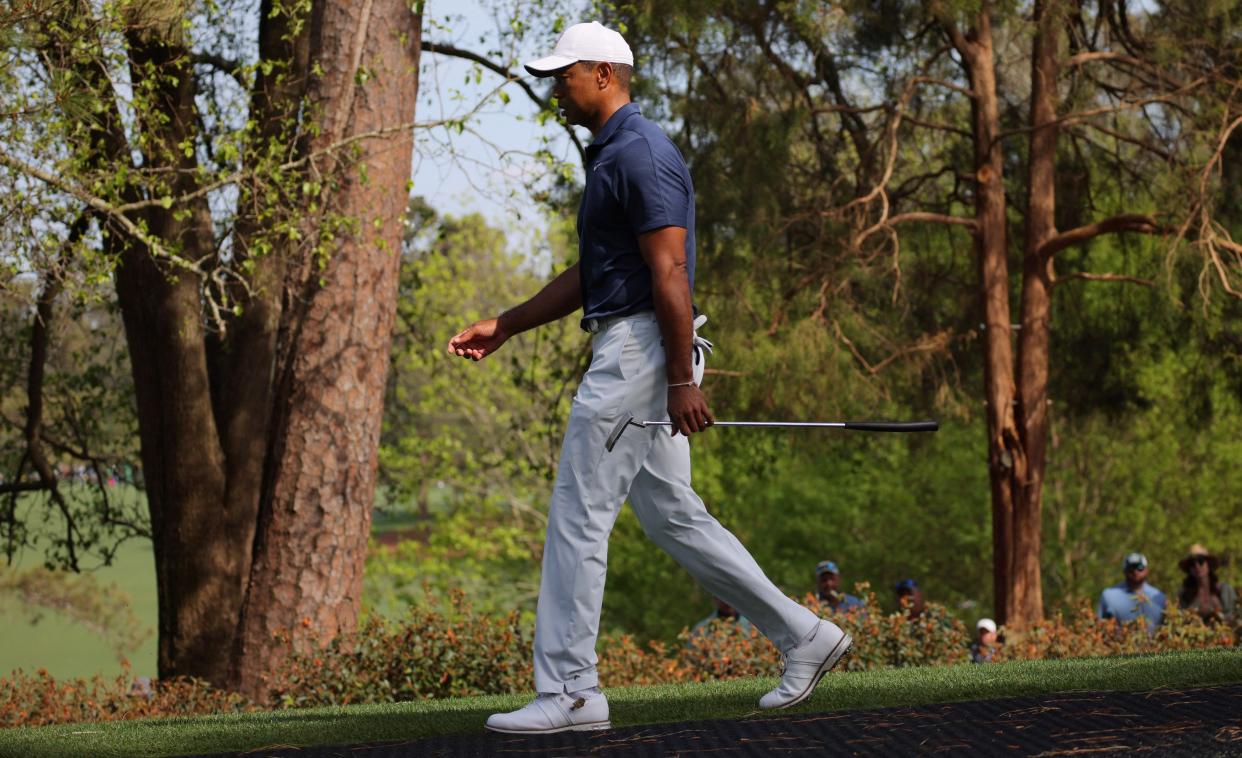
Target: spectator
[(828, 579), (1133, 597), (984, 646), (910, 597), (724, 612), (1202, 592)]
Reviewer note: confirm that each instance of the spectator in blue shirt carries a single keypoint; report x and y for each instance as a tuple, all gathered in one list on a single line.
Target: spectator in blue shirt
[(828, 580), (1133, 597)]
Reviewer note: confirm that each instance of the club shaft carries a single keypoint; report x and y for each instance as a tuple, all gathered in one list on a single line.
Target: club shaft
[(862, 426), (835, 424)]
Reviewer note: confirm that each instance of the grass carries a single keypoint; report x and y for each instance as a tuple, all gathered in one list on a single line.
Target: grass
[(68, 649), (632, 705)]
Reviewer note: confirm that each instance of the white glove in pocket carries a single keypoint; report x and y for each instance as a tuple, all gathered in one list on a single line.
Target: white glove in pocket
[(700, 350)]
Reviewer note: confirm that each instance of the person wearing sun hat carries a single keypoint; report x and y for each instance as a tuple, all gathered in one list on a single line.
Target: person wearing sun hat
[(1202, 591), (1133, 598)]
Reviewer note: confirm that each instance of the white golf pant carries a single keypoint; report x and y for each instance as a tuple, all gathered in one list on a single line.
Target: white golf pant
[(652, 467)]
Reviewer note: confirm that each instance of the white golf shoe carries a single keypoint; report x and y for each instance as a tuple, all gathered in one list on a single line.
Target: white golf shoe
[(547, 714), (806, 664)]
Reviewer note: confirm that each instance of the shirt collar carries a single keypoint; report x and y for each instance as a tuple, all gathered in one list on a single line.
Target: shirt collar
[(614, 123)]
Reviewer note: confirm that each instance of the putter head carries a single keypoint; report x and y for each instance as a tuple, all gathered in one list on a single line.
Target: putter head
[(626, 419)]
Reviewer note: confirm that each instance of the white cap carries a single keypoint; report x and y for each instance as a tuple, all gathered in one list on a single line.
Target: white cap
[(584, 42), (988, 624)]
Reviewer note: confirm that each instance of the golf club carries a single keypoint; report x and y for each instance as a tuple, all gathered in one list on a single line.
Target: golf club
[(860, 426)]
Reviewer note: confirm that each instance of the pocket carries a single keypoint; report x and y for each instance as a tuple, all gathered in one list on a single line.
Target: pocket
[(633, 352)]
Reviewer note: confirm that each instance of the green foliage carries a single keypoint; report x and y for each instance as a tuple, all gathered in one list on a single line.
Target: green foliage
[(89, 431), (469, 449), (461, 652), (426, 654)]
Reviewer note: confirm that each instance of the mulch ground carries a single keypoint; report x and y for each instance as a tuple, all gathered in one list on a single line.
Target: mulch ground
[(1203, 721)]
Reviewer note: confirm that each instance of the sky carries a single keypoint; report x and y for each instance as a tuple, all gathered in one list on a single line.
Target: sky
[(490, 167)]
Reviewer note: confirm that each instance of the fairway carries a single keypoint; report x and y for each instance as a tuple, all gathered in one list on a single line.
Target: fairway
[(68, 649), (632, 705)]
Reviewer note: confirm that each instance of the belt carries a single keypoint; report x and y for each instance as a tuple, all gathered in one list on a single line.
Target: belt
[(597, 325)]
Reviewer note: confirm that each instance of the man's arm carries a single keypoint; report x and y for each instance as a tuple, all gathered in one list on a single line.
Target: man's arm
[(558, 298), (664, 250)]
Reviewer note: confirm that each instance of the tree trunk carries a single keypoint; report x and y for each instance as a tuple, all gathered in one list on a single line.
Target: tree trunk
[(198, 577), (1006, 459), (332, 359), (259, 456), (1027, 606)]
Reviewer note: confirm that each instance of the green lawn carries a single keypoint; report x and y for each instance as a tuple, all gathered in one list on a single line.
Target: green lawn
[(634, 705), (68, 649)]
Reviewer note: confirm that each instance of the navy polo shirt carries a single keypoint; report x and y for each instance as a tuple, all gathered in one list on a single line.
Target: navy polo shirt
[(636, 182)]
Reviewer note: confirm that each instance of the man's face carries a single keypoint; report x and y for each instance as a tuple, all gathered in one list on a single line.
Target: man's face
[(1199, 567), (911, 601), (1136, 575), (576, 91), (986, 637), (829, 582)]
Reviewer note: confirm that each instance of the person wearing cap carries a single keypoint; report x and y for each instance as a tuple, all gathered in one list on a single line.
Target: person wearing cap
[(1202, 591), (984, 647), (828, 581), (910, 598), (633, 281), (1133, 598)]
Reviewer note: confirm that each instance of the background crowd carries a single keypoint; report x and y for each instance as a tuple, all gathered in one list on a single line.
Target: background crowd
[(1131, 600)]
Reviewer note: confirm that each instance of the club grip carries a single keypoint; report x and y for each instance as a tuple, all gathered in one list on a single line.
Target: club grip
[(893, 426)]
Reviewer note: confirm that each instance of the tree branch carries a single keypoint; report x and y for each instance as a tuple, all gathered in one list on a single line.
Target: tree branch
[(1105, 278), (457, 52), (219, 63), (23, 487), (1126, 222)]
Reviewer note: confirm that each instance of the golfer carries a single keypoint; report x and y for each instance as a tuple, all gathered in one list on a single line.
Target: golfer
[(633, 281)]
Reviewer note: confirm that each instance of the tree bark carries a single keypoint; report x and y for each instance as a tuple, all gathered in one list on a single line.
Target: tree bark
[(197, 578), (332, 356), (1027, 607), (1006, 457), (259, 444)]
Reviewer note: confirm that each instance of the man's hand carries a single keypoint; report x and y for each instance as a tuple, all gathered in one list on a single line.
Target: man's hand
[(480, 339), (687, 409)]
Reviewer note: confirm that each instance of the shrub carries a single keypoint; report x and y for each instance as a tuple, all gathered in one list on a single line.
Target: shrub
[(1082, 635), (458, 651), (40, 699), (428, 654)]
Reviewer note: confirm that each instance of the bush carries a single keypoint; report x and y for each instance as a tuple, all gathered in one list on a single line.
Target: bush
[(460, 652), (40, 699), (428, 654), (1082, 635)]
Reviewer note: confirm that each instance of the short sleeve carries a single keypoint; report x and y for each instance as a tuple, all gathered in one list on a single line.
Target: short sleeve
[(651, 186)]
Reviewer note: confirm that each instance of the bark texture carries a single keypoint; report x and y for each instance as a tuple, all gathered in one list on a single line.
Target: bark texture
[(259, 444), (197, 579), (1026, 607), (332, 355), (1006, 458)]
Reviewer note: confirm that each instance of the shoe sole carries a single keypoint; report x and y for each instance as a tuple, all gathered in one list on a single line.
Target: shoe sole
[(842, 649), (587, 727)]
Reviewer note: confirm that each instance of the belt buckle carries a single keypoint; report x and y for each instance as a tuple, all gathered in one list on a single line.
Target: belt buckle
[(594, 325)]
